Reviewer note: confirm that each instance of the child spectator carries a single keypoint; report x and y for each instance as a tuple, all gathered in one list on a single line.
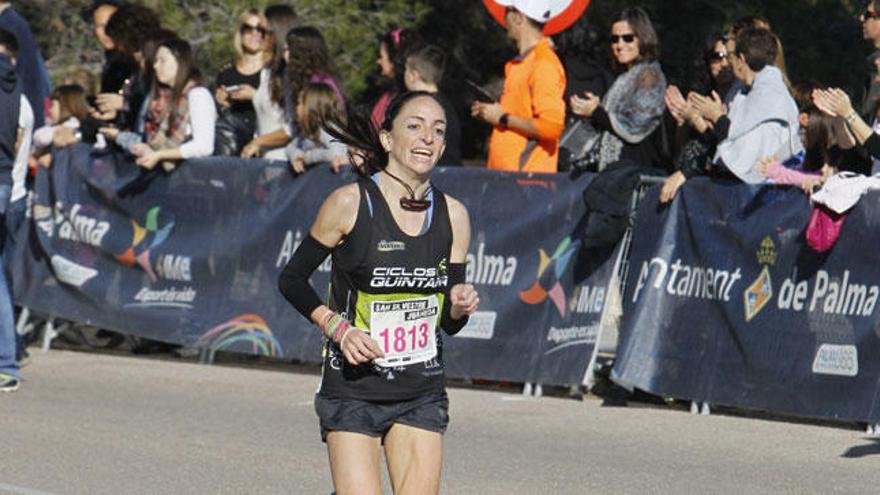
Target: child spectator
[(423, 72), (69, 109), (317, 104)]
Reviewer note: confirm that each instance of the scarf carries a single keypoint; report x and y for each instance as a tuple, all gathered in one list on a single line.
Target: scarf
[(166, 121), (635, 107)]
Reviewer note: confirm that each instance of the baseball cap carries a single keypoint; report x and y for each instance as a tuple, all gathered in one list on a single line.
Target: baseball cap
[(537, 10)]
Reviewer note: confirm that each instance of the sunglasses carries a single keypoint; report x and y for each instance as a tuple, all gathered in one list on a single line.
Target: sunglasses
[(867, 14), (718, 56), (247, 28), (627, 38)]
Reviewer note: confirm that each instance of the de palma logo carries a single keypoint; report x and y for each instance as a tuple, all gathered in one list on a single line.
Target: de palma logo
[(826, 293), (146, 238)]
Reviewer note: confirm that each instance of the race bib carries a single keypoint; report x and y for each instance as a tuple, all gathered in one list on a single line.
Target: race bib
[(405, 330)]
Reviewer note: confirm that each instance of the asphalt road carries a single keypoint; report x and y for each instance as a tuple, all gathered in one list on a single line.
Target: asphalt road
[(96, 424)]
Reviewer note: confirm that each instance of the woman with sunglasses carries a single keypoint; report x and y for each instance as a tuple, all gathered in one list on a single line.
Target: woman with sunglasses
[(237, 84), (694, 146), (632, 109)]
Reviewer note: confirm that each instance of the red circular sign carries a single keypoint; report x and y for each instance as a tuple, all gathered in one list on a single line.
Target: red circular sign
[(571, 11)]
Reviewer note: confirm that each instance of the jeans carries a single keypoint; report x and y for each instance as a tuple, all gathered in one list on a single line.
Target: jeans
[(8, 337)]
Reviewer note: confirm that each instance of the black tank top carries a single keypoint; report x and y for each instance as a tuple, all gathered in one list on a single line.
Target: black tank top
[(401, 279)]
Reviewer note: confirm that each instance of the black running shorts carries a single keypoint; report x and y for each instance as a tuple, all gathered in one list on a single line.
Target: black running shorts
[(430, 412)]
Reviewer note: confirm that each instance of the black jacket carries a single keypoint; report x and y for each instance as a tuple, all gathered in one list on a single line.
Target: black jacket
[(10, 102)]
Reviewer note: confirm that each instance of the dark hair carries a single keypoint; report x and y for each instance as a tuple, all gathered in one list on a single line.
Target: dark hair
[(758, 46), (818, 138), (429, 61), (703, 83), (280, 10), (321, 105), (362, 137), (72, 101), (638, 20), (9, 41), (281, 18), (130, 25), (150, 45), (186, 72), (803, 94), (399, 43), (309, 56)]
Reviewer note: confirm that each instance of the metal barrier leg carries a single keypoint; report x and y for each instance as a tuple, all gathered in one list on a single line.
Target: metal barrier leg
[(539, 390), (527, 389), (695, 407), (705, 410), (873, 429), (206, 356), (49, 334), (21, 326)]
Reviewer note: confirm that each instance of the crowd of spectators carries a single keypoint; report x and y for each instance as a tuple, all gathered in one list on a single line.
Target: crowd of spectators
[(560, 108)]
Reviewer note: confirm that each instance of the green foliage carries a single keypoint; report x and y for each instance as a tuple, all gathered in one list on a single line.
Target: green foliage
[(822, 39)]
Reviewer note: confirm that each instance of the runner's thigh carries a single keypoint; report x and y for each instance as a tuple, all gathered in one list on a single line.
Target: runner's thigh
[(355, 463), (414, 457)]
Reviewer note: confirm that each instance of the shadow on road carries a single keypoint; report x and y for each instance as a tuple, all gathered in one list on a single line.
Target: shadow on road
[(871, 448)]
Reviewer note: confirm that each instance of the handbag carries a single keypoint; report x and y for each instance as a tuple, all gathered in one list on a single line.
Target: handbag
[(823, 228)]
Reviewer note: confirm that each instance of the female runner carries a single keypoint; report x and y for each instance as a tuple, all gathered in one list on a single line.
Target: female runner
[(398, 246)]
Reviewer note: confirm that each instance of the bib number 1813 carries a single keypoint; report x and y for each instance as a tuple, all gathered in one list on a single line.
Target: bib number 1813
[(403, 339)]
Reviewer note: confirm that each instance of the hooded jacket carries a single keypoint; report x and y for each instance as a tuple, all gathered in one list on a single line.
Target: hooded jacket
[(10, 101)]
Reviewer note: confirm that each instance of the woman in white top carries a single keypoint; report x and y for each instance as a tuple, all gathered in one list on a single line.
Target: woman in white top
[(181, 114)]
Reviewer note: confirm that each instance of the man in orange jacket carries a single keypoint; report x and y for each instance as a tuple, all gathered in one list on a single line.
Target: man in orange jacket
[(530, 117)]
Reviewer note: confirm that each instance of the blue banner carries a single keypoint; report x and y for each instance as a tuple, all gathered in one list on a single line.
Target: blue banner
[(726, 303), (193, 257)]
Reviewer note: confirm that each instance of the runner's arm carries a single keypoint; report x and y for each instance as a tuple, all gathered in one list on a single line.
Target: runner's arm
[(462, 299)]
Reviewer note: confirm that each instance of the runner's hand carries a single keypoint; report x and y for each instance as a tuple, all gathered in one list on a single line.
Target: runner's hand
[(464, 300), (358, 347)]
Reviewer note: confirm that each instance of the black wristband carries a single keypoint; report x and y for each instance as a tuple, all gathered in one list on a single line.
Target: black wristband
[(504, 120), (294, 280), (456, 275)]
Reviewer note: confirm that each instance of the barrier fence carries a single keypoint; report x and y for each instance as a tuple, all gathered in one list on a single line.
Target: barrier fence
[(723, 300), (193, 258), (727, 304)]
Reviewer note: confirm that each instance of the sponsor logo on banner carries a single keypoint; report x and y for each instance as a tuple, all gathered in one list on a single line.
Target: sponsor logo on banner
[(837, 360), (480, 326), (246, 333), (173, 297), (72, 225), (489, 269), (72, 273), (388, 246), (571, 336), (156, 228), (690, 281), (828, 293), (760, 292), (550, 271), (588, 299), (832, 294), (292, 240)]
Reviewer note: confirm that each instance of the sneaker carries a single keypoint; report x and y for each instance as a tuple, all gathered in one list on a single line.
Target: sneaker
[(8, 383)]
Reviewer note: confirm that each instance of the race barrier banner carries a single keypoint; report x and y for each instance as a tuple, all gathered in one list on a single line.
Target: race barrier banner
[(193, 257), (727, 304)]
